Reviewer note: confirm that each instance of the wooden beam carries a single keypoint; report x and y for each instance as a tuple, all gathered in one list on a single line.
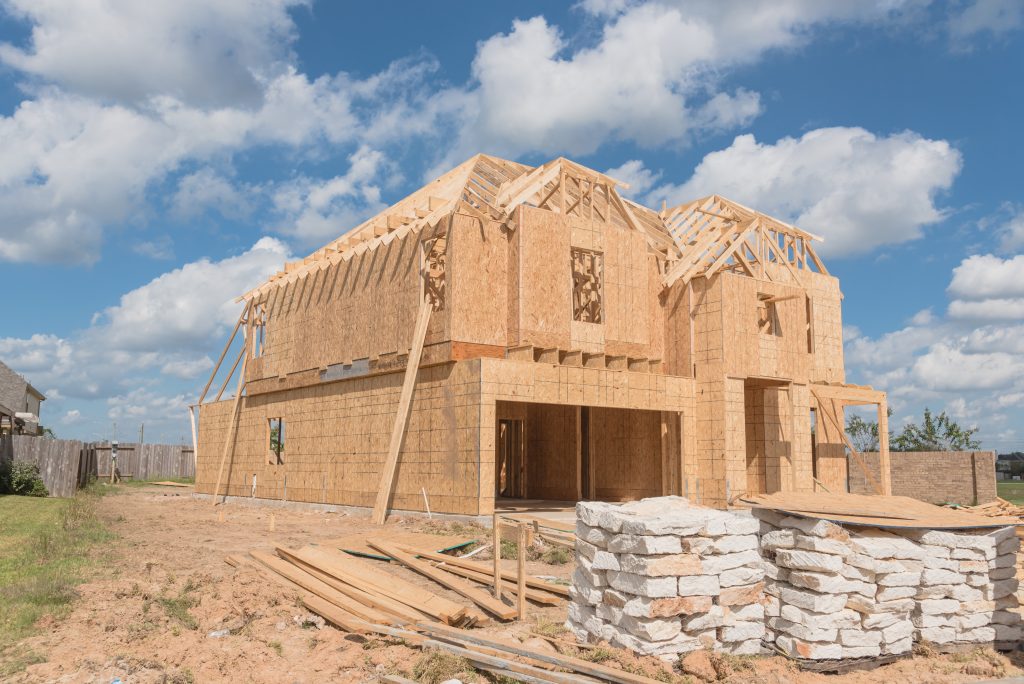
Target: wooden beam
[(822, 408), (507, 575), (223, 353), (459, 586), (224, 385), (230, 441), (885, 469), (849, 394), (380, 507), (195, 442)]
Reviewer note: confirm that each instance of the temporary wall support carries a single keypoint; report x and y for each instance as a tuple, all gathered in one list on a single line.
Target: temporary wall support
[(230, 442), (387, 478)]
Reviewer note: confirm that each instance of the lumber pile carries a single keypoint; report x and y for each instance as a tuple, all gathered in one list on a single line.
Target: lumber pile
[(357, 590), (360, 597)]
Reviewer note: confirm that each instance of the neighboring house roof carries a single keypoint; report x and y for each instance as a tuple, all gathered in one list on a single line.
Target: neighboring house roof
[(696, 238), (37, 393)]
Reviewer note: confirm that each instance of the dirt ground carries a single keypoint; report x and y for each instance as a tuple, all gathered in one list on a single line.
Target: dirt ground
[(165, 587)]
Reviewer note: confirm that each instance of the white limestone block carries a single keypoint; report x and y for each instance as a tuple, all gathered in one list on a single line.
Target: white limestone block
[(592, 535), (674, 564), (933, 576), (965, 593), (740, 575), (734, 543), (881, 620), (651, 629), (897, 631), (797, 559), (843, 619), (828, 583), (935, 551), (753, 611), (741, 631), (816, 528), (778, 539), (859, 637), (861, 651), (812, 600), (966, 622), (898, 579), (772, 606), (892, 593), (697, 585), (938, 606), (652, 587), (823, 545), (800, 631), (850, 572), (875, 565), (978, 635), (584, 576), (603, 560), (937, 635), (715, 565), (811, 651), (712, 619), (897, 647), (640, 544), (932, 563), (879, 544)]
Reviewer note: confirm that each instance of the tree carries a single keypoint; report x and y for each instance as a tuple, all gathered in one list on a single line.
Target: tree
[(935, 433), (863, 433)]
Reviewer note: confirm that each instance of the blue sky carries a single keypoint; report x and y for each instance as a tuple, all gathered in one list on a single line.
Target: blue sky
[(159, 158)]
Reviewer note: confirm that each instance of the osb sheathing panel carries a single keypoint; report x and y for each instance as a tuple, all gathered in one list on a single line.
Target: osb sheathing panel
[(551, 449), (830, 452), (336, 439), (356, 309), (477, 281), (540, 287), (625, 452), (544, 281), (677, 356), (749, 352)]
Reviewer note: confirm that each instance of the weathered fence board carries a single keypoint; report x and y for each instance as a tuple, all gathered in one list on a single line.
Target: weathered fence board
[(57, 460)]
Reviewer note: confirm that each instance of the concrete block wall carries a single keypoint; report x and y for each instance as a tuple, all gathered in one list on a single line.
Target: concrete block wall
[(961, 477)]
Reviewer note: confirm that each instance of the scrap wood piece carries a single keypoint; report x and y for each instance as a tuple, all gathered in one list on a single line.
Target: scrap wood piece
[(311, 584), (534, 595), (602, 672), (355, 544), (481, 598), (362, 576), (507, 666), (375, 600), (387, 478), (168, 483), (510, 575), (333, 614)]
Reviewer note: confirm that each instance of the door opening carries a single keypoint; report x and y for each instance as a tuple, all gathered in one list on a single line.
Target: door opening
[(510, 473)]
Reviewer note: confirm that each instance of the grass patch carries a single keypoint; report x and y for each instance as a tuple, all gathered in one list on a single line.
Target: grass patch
[(1011, 491), (509, 550), (178, 606), (44, 555), (549, 628), (435, 667), (556, 555)]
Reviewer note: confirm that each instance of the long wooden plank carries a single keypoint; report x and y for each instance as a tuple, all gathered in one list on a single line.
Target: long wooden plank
[(363, 576), (333, 613), (325, 591), (387, 479), (602, 672), (375, 600), (230, 442), (534, 595), (884, 466), (477, 596), (220, 359), (506, 666), (509, 575)]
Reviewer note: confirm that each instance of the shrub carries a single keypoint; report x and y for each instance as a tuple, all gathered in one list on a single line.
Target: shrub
[(22, 478)]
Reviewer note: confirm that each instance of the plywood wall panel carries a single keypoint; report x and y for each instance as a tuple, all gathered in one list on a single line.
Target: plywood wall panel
[(478, 281)]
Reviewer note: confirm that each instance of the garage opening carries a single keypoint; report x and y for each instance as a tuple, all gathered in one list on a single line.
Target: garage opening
[(567, 453)]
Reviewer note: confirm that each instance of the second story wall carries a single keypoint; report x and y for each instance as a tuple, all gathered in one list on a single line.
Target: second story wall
[(628, 320)]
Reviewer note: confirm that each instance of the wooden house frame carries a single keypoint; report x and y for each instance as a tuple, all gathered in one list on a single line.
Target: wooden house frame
[(530, 332)]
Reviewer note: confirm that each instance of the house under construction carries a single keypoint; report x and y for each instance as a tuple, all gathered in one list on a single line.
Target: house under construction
[(514, 332)]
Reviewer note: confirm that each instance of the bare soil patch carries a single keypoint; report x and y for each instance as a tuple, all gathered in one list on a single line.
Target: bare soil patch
[(149, 614)]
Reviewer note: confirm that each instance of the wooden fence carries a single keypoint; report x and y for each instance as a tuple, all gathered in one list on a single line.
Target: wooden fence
[(146, 461), (57, 459), (65, 465)]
